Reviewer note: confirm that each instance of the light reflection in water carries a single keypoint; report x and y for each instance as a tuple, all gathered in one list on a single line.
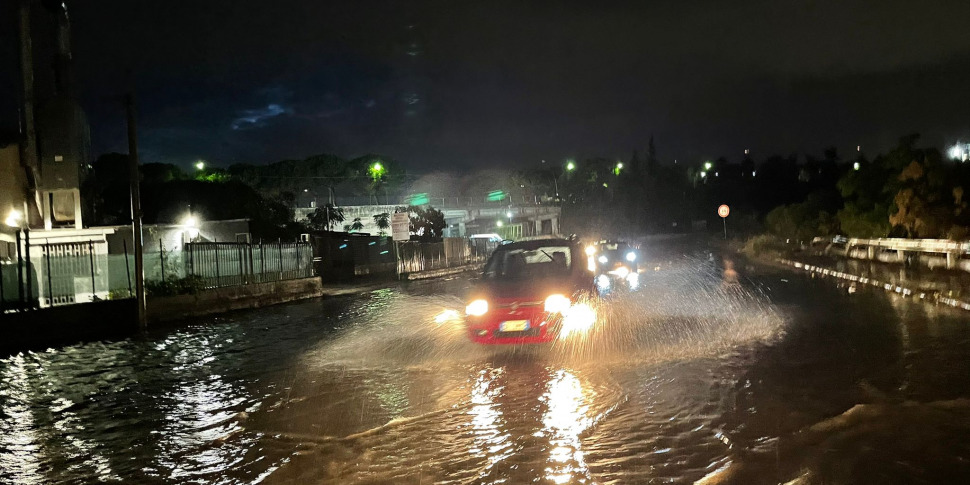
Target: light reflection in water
[(490, 440), (565, 419), (19, 437)]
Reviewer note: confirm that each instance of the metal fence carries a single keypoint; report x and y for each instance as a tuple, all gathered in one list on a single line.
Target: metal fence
[(414, 256), (230, 263), (53, 274)]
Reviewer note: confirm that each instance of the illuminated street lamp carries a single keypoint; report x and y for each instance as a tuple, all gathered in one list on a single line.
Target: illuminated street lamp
[(617, 168), (856, 166), (570, 165), (377, 170), (498, 223), (708, 165), (14, 218), (200, 165)]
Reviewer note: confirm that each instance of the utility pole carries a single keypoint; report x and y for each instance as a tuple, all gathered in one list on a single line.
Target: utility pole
[(136, 211)]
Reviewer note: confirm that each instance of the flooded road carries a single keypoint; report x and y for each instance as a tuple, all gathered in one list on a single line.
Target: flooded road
[(704, 375)]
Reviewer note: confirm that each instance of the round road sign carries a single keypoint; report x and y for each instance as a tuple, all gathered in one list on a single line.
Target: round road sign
[(724, 210)]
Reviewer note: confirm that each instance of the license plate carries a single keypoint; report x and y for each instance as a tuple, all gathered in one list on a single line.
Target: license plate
[(514, 326)]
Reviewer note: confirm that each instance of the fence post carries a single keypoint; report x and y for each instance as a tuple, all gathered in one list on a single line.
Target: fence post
[(262, 261), (280, 243), (161, 258), (50, 285), (218, 276), (242, 278), (91, 254), (124, 242), (252, 270)]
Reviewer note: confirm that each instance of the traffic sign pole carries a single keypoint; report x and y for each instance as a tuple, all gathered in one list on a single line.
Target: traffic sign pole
[(723, 211)]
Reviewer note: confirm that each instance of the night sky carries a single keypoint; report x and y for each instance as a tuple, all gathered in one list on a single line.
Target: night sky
[(504, 84)]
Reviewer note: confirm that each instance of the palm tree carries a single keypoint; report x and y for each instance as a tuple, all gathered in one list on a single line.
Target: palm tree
[(326, 218), (383, 221), (357, 225)]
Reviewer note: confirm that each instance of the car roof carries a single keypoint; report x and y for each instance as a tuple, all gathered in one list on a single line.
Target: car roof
[(535, 244)]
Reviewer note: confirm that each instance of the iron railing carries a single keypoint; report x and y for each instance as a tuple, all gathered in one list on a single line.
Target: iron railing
[(222, 264)]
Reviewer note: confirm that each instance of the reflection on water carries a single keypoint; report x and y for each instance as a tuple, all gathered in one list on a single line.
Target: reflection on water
[(565, 420)]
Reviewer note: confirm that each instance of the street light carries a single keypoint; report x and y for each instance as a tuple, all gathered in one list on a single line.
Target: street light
[(616, 170), (376, 170), (570, 166), (855, 166), (708, 165), (14, 218), (200, 165)]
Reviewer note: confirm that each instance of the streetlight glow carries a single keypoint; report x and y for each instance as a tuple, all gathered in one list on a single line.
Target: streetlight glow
[(14, 218), (708, 165), (200, 165), (957, 152), (855, 166), (376, 170), (498, 223), (570, 166)]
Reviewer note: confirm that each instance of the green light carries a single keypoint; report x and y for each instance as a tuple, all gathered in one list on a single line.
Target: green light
[(418, 199), (570, 165), (708, 165), (855, 166), (200, 165), (616, 170), (376, 170), (496, 195)]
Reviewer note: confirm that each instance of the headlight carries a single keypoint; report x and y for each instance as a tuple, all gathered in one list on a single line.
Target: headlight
[(603, 282), (631, 256), (603, 259), (557, 304), (477, 308), (580, 318), (590, 250)]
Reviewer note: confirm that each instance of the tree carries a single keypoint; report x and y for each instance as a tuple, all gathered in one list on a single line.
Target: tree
[(356, 225), (427, 224), (383, 222), (325, 218)]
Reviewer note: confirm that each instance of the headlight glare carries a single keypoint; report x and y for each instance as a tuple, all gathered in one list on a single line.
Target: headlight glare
[(557, 304), (631, 256), (477, 308)]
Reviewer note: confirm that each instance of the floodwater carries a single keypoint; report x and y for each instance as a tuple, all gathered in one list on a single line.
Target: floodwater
[(706, 374)]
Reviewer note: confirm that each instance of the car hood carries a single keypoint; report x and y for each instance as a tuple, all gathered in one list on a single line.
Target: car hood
[(532, 289)]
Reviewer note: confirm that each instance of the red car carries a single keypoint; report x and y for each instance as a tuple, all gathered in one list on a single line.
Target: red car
[(532, 292)]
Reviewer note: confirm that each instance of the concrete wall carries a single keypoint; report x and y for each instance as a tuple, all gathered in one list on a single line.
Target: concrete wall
[(218, 300), (67, 324), (13, 184)]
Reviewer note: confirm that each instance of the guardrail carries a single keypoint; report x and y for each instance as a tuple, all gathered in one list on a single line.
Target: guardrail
[(942, 246)]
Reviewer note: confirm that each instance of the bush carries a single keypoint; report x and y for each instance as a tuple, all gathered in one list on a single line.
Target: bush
[(190, 285), (764, 246)]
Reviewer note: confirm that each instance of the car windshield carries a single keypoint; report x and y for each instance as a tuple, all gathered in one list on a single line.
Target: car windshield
[(615, 250), (517, 264)]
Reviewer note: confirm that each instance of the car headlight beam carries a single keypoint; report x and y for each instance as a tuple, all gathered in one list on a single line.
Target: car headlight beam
[(557, 304)]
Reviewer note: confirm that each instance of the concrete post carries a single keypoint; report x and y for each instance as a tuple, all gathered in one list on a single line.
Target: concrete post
[(951, 260)]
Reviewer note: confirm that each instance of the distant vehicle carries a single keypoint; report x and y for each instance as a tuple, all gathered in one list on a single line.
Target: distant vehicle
[(532, 292), (615, 264)]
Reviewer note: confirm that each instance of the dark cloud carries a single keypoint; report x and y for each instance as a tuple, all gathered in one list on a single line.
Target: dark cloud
[(464, 84)]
